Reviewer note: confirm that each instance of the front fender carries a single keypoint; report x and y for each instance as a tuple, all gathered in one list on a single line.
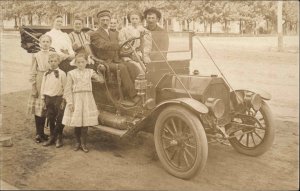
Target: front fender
[(190, 103), (195, 106), (264, 95)]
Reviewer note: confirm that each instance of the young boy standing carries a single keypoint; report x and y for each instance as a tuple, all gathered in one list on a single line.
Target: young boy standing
[(52, 89)]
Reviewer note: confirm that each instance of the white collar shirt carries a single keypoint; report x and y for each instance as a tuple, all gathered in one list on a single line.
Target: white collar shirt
[(52, 85)]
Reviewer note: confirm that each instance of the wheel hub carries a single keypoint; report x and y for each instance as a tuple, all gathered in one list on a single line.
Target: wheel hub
[(178, 140), (173, 142)]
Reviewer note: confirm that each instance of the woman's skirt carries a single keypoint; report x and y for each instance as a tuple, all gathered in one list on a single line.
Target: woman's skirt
[(35, 105), (85, 111)]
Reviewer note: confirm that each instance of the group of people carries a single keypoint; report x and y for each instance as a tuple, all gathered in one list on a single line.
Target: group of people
[(61, 79)]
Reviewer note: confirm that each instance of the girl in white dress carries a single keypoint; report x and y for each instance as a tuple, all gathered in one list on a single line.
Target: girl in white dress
[(81, 110), (35, 103)]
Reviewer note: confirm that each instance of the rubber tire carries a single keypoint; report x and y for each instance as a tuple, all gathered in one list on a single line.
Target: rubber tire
[(201, 140), (268, 139)]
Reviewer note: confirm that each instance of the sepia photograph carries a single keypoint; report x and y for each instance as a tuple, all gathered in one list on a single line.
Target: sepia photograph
[(149, 95)]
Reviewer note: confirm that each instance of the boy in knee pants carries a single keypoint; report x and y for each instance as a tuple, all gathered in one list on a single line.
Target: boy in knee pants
[(52, 89)]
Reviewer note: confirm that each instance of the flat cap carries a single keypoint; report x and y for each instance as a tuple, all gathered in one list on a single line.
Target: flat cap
[(103, 13)]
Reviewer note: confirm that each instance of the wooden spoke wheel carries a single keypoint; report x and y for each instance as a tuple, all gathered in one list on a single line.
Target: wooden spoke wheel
[(255, 141), (180, 142)]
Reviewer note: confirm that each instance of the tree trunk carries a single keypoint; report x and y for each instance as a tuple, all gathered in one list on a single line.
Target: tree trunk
[(16, 22), (225, 27), (39, 20), (20, 22), (274, 26), (93, 24), (87, 22), (180, 26), (30, 19), (193, 25), (162, 20), (72, 18), (205, 26), (241, 26), (167, 26), (210, 27)]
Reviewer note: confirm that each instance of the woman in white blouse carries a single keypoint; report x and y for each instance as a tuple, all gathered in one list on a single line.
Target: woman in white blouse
[(136, 29), (60, 40)]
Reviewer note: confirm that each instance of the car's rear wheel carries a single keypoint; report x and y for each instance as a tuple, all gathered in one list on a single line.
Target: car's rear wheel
[(258, 140), (180, 142)]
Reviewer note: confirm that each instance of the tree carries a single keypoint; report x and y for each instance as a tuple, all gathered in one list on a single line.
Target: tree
[(267, 10), (290, 15), (14, 9), (41, 9), (184, 10), (211, 12)]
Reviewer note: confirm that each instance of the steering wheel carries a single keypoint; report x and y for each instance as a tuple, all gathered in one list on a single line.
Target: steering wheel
[(127, 47)]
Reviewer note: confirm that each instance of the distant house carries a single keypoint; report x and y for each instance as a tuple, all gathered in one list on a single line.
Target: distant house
[(67, 21)]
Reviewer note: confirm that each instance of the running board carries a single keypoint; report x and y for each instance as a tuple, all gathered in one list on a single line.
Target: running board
[(111, 130)]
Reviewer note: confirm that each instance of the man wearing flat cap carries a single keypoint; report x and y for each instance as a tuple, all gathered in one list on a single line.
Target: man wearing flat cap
[(105, 47), (159, 35)]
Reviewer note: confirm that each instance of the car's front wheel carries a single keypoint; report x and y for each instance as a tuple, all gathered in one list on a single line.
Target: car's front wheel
[(180, 142), (255, 141)]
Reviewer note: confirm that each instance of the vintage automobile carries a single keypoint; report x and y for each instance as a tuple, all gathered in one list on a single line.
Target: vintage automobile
[(184, 110)]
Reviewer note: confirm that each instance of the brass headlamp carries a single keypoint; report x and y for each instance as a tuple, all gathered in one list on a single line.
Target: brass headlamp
[(253, 100), (216, 107)]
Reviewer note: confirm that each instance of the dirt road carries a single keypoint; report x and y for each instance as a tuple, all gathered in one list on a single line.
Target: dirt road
[(132, 164)]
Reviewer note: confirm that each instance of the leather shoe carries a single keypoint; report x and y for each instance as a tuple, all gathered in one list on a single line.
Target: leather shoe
[(38, 139), (45, 137), (77, 147), (51, 141), (84, 148), (59, 142)]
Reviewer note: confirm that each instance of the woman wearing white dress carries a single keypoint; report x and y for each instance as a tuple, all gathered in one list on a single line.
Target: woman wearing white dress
[(61, 42)]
